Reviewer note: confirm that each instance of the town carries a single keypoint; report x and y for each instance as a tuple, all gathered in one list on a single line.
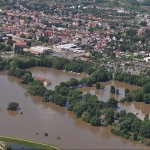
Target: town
[(113, 36)]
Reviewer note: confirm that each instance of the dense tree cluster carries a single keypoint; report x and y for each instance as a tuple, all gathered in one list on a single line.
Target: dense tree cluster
[(24, 75), (28, 60), (131, 78), (101, 75), (36, 88), (6, 46), (13, 106), (131, 127), (140, 95)]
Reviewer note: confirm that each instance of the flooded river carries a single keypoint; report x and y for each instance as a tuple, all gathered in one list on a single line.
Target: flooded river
[(56, 121)]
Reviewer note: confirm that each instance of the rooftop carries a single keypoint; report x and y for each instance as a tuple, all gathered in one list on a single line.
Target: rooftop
[(67, 46)]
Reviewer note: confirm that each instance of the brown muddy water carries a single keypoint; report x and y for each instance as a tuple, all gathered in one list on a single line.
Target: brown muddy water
[(105, 93), (55, 76), (56, 121)]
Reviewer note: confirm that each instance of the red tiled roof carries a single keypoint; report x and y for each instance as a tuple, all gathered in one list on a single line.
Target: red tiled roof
[(20, 43), (40, 79), (43, 80)]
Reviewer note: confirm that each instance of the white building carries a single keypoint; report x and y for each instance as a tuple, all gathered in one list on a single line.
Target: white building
[(40, 50), (147, 59), (67, 46)]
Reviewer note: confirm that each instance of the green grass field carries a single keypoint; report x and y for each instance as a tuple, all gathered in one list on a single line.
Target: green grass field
[(28, 143)]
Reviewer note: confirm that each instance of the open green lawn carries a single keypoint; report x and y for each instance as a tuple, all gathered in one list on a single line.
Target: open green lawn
[(28, 143)]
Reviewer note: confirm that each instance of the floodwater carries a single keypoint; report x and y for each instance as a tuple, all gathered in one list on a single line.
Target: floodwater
[(55, 76), (141, 108), (55, 120), (105, 94)]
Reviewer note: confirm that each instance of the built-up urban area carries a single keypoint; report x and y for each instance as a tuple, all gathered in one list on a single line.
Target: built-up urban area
[(115, 33)]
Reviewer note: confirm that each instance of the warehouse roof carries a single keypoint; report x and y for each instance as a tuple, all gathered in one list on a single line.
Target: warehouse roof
[(67, 46)]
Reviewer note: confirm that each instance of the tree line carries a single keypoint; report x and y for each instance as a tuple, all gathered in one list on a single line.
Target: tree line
[(16, 66), (131, 78), (28, 60), (140, 95)]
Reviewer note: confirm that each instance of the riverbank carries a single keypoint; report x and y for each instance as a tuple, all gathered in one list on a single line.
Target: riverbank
[(28, 143)]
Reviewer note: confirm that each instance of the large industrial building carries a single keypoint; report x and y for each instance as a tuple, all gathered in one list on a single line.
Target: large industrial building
[(67, 46), (40, 50), (70, 47)]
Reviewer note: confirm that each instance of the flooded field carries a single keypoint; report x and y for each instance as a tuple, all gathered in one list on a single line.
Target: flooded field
[(105, 94), (56, 121), (55, 76)]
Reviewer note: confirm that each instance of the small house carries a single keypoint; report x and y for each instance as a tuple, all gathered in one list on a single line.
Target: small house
[(46, 82)]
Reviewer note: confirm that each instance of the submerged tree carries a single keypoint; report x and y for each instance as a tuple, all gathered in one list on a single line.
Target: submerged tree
[(98, 86), (112, 89), (117, 91), (13, 106)]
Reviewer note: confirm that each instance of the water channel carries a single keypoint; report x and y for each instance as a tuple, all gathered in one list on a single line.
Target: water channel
[(56, 121)]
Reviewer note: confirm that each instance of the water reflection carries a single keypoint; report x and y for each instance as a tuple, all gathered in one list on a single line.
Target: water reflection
[(13, 113), (105, 132), (104, 94), (141, 108)]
